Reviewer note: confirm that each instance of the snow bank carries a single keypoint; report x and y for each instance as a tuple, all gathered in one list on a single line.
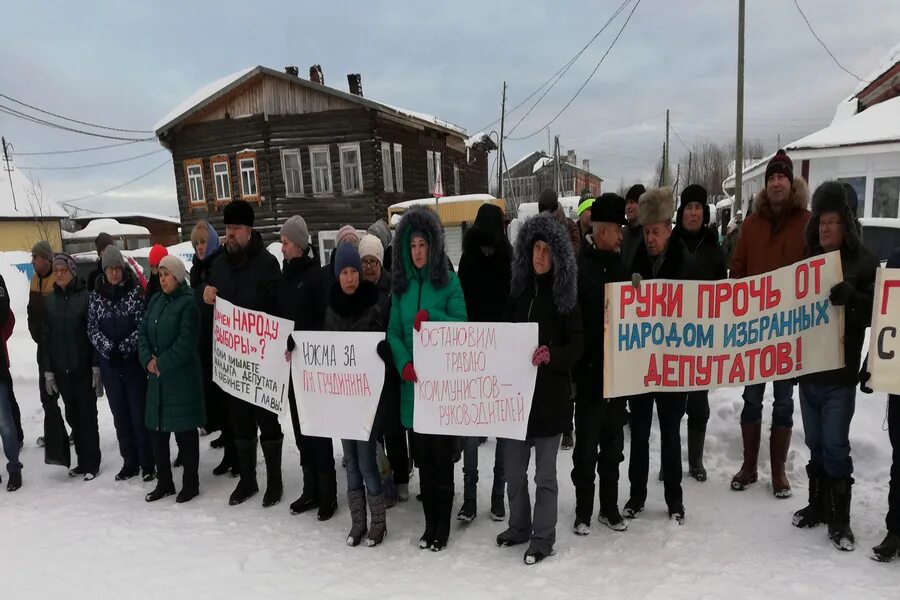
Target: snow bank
[(443, 200), (110, 226)]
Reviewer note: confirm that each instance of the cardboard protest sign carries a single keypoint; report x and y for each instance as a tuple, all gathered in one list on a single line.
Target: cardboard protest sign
[(694, 335), (475, 379), (883, 342), (337, 379), (248, 355)]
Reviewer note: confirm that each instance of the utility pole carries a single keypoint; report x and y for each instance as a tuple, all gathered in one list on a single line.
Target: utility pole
[(556, 164), (739, 133), (8, 169), (666, 153), (500, 155), (690, 167)]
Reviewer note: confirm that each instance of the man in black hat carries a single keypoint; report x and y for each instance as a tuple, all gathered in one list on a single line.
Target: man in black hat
[(247, 276), (599, 421), (634, 233)]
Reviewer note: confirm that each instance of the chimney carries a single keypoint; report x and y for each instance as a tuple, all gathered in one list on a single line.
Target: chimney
[(292, 70), (316, 75), (570, 157), (586, 164), (355, 81)]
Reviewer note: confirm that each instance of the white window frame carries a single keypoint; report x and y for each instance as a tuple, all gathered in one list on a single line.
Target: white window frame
[(398, 168), (871, 194), (353, 147), (284, 172), (433, 159), (216, 161), (456, 180), (254, 181), (193, 172), (387, 172), (313, 150)]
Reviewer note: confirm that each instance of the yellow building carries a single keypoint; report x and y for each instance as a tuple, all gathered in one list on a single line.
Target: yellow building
[(27, 215)]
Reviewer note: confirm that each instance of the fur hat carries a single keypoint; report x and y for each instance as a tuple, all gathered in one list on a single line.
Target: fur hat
[(830, 197), (609, 208), (656, 206), (545, 227), (43, 249), (112, 257), (852, 197), (780, 163), (370, 245), (548, 201), (693, 193), (634, 193), (238, 212), (175, 266)]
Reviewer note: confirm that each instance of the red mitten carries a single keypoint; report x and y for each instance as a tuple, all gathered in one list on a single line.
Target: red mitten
[(421, 317), (409, 373), (541, 355)]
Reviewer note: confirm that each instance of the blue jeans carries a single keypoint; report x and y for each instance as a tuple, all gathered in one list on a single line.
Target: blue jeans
[(8, 433), (782, 410), (470, 468), (361, 466), (827, 411)]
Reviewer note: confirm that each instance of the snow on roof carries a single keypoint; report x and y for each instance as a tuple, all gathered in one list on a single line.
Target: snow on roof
[(888, 61), (24, 207), (726, 203), (128, 215), (524, 158), (444, 200), (110, 226), (877, 124), (425, 117), (474, 139), (541, 163), (201, 96)]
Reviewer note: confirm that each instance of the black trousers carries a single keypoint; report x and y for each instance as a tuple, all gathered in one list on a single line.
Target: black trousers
[(316, 453), (697, 410), (599, 440), (78, 397), (893, 515), (188, 447), (56, 438), (246, 418), (434, 456), (397, 451), (670, 410)]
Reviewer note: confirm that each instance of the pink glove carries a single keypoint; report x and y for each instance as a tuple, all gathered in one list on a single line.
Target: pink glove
[(541, 356), (421, 317)]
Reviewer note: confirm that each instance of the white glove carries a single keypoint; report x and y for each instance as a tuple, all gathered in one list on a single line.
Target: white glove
[(98, 383), (50, 383)]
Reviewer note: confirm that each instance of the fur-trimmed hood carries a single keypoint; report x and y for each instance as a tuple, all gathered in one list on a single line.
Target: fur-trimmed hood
[(565, 270), (799, 200), (488, 231), (830, 197), (422, 219)]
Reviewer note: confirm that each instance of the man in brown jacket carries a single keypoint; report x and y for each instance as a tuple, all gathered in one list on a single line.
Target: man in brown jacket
[(771, 237)]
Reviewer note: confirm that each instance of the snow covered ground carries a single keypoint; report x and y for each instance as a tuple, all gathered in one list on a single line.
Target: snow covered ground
[(61, 537)]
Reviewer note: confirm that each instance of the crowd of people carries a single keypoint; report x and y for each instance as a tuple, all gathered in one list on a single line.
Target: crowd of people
[(149, 348)]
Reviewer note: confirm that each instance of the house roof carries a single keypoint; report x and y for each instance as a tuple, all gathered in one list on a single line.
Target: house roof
[(548, 162), (24, 207), (219, 88), (127, 215), (879, 123), (110, 226), (886, 64)]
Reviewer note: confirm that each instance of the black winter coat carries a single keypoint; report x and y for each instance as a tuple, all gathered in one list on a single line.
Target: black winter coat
[(314, 297), (5, 315), (200, 274), (153, 288), (65, 345), (709, 258), (632, 237), (296, 273), (248, 279), (388, 417), (485, 281), (677, 263)]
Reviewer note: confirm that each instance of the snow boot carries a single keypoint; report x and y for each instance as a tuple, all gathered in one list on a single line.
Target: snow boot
[(443, 508), (247, 486), (468, 511), (779, 444), (15, 481), (609, 506), (508, 538), (356, 502), (568, 441), (378, 528), (696, 441), (580, 527), (309, 497), (148, 475), (427, 495), (813, 513), (127, 473), (677, 513), (274, 487), (162, 490), (219, 442), (632, 508), (327, 495), (584, 505), (839, 495), (229, 461), (750, 432), (533, 556), (888, 549), (498, 508), (190, 476)]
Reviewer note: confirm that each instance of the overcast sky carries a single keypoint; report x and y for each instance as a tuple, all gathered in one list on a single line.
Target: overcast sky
[(125, 64)]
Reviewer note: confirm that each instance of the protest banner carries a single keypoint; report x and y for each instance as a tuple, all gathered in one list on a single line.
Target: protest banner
[(475, 379), (883, 342), (664, 335), (248, 355), (337, 379)]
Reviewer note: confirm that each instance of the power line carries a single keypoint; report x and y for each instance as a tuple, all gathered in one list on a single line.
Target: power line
[(586, 81), (129, 182), (100, 164), (678, 137), (53, 152), (24, 116), (47, 112), (830, 53)]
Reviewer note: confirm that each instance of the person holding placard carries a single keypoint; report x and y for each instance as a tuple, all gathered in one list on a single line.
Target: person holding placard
[(544, 290), (657, 257), (828, 400), (424, 289)]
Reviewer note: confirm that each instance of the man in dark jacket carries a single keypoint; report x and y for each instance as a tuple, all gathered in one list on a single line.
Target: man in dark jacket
[(828, 400), (657, 257), (599, 421), (693, 231), (634, 233), (484, 273), (247, 276), (100, 243)]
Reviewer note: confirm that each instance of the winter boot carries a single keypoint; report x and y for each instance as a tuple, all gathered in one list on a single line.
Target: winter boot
[(609, 506), (127, 473), (747, 475), (356, 501), (179, 462), (568, 442), (247, 486), (327, 495), (274, 487), (229, 461), (813, 513), (468, 511), (309, 498), (888, 549), (677, 513), (427, 495), (839, 494), (533, 556), (696, 441), (584, 508), (443, 508), (190, 478), (632, 508), (15, 481), (779, 444), (498, 508), (162, 490), (402, 492), (378, 529), (219, 442)]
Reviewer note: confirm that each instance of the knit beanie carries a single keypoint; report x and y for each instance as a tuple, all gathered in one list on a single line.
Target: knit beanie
[(64, 259), (370, 245), (380, 229), (347, 233), (157, 253), (102, 241), (175, 266), (43, 249), (345, 256), (112, 257), (296, 231), (781, 163), (634, 193)]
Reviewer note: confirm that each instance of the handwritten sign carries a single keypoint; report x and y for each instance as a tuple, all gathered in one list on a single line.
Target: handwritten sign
[(248, 355), (475, 379), (884, 344), (337, 379), (695, 335)]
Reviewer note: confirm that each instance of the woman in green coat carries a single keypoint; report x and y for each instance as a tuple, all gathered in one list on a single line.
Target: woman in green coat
[(424, 289), (167, 343)]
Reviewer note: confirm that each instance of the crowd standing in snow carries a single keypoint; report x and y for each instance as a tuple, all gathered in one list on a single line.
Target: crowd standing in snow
[(151, 352)]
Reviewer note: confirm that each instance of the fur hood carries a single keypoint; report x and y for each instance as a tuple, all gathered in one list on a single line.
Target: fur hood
[(422, 219), (565, 270), (830, 197), (488, 231), (799, 200)]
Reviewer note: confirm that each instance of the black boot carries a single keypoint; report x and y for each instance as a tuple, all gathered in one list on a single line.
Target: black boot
[(309, 498), (164, 485), (219, 442), (840, 492), (609, 506), (443, 509), (274, 486), (229, 461), (247, 486), (888, 549), (327, 495), (696, 441), (427, 497), (498, 508), (813, 513), (584, 508), (356, 502), (468, 511), (189, 449), (15, 481)]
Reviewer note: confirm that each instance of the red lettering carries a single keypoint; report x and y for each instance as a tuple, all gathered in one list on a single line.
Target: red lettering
[(626, 298), (816, 265), (801, 281)]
